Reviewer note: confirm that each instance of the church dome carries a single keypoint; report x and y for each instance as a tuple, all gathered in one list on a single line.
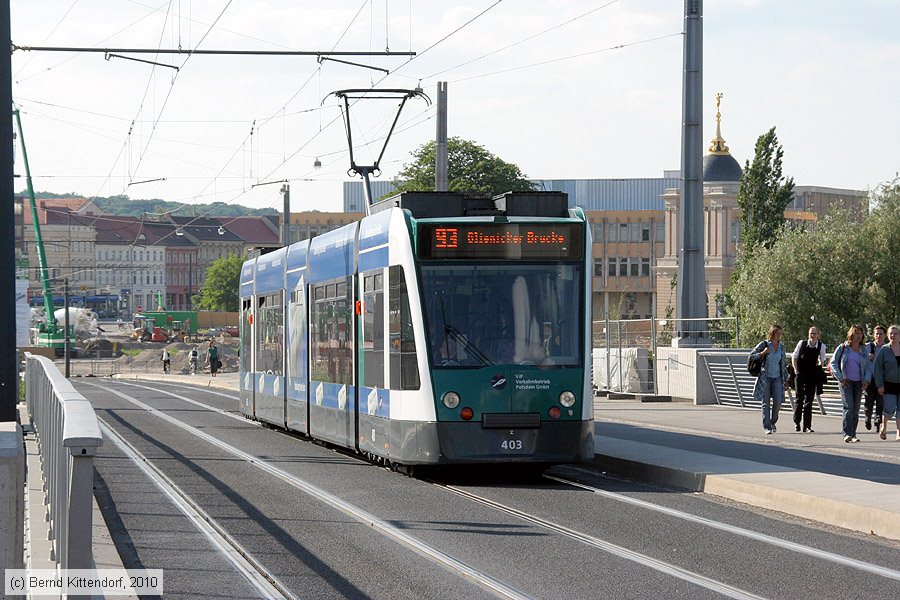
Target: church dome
[(719, 164), (721, 167)]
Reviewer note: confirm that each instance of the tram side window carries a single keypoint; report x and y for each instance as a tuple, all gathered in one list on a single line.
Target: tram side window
[(373, 330), (404, 367), (270, 335), (246, 332), (330, 328)]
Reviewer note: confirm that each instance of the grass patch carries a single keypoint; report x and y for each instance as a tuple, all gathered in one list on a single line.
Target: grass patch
[(132, 351)]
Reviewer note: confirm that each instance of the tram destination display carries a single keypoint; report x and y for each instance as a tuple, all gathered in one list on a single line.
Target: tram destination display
[(545, 241)]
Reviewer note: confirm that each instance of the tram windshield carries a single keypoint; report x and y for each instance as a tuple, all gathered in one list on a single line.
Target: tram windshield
[(489, 314)]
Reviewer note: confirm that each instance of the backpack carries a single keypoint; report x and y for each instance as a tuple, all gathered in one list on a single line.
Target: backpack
[(754, 365)]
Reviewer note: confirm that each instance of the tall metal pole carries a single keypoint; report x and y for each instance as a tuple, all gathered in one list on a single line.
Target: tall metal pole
[(441, 165), (190, 302), (8, 369), (691, 302), (286, 229)]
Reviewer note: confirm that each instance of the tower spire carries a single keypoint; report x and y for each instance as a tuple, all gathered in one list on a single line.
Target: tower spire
[(718, 143)]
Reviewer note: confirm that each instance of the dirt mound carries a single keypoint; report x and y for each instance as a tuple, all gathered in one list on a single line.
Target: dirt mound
[(99, 347), (151, 359)]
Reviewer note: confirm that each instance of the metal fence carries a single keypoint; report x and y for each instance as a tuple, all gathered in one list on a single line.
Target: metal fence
[(625, 350), (68, 436), (733, 385)]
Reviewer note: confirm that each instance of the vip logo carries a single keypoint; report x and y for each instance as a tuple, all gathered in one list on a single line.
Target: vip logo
[(498, 381)]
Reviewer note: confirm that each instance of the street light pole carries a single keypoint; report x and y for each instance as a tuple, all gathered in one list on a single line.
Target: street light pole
[(190, 301), (286, 229)]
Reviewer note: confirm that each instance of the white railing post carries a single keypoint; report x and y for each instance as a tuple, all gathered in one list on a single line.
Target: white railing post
[(81, 438)]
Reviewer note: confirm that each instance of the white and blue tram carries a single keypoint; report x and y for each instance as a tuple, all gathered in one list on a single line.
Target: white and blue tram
[(440, 329)]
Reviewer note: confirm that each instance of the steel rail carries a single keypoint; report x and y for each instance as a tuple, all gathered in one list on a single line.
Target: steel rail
[(753, 535), (446, 561)]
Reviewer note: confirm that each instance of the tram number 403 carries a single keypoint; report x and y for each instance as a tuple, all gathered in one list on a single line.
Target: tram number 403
[(511, 444)]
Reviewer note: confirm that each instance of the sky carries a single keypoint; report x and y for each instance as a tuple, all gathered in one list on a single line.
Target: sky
[(563, 89)]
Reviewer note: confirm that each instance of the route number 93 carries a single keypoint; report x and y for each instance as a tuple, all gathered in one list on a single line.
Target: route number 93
[(511, 444)]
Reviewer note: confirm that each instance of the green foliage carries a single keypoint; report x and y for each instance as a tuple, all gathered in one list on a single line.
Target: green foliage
[(122, 205), (842, 273), (764, 194), (881, 238), (470, 168), (220, 290)]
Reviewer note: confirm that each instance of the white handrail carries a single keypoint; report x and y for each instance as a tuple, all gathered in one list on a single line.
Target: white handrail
[(68, 437)]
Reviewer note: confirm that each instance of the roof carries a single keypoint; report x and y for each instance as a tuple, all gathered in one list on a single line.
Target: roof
[(252, 230), (721, 167), (55, 205), (205, 228), (131, 230), (165, 234), (118, 230)]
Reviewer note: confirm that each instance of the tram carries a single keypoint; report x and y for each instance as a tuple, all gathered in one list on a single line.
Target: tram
[(440, 329)]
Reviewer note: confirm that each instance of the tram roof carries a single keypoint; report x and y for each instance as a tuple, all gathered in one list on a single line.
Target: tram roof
[(430, 205)]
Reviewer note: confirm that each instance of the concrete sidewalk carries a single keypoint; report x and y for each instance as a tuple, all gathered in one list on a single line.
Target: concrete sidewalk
[(723, 451)]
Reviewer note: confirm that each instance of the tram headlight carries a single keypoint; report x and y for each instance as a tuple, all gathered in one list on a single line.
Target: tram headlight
[(567, 399), (451, 399)]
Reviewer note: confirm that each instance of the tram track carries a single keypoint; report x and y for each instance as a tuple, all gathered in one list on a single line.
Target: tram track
[(253, 571), (451, 564), (486, 581), (658, 565), (845, 561)]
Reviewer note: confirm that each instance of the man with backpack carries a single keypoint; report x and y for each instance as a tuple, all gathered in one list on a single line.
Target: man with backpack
[(808, 359), (166, 360), (194, 357)]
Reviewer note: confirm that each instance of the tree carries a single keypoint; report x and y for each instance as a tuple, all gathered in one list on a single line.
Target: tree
[(220, 290), (470, 168), (805, 278), (883, 244), (763, 195)]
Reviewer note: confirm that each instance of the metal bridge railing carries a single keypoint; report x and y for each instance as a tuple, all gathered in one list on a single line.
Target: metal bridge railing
[(68, 436), (733, 385)]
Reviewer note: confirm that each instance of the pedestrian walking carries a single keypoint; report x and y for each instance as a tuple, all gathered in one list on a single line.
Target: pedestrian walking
[(194, 357), (874, 403), (166, 360), (769, 388), (808, 359), (212, 358), (851, 367), (887, 378)]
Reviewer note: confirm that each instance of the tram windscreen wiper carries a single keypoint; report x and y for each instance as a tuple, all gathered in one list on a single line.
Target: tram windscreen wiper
[(468, 346)]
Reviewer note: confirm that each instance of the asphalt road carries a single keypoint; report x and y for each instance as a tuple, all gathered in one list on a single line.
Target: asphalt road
[(325, 524)]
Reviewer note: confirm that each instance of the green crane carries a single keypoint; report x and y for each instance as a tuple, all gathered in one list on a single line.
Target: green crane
[(50, 334)]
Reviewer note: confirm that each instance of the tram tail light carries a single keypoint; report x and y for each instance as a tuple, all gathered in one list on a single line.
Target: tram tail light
[(467, 414), (554, 412)]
